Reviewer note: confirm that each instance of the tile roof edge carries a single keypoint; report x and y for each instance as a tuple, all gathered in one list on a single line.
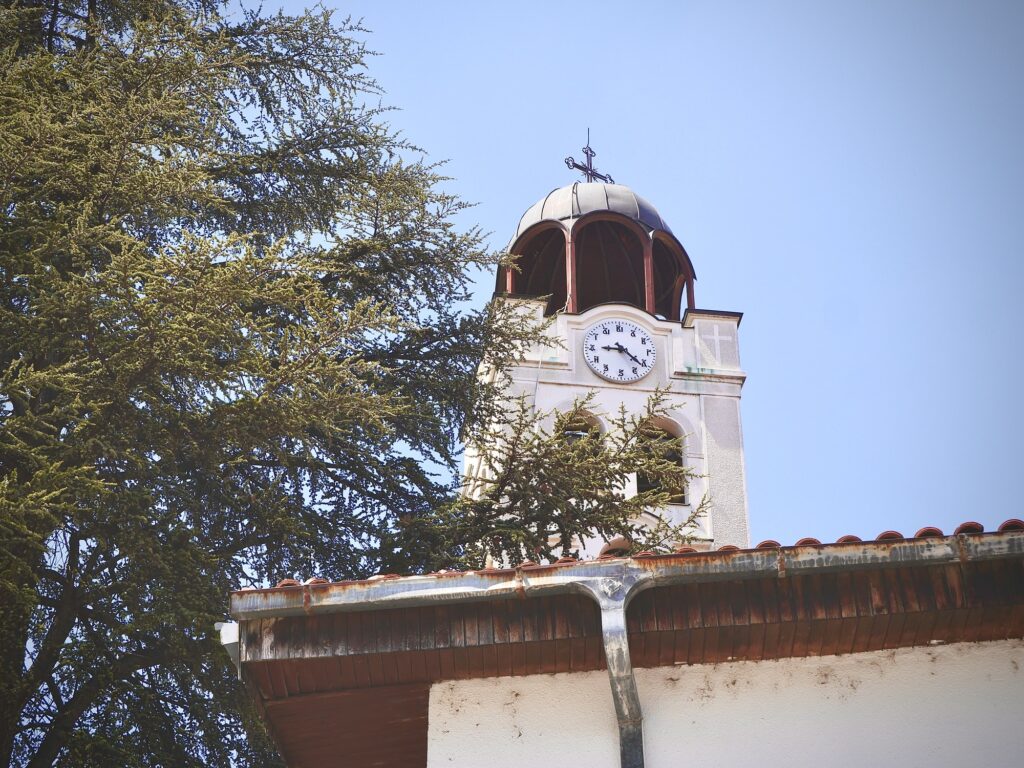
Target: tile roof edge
[(651, 569)]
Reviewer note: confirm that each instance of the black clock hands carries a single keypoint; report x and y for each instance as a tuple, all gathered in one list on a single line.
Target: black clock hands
[(619, 348), (613, 336)]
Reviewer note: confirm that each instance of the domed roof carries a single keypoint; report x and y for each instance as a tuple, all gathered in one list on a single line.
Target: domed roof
[(582, 198)]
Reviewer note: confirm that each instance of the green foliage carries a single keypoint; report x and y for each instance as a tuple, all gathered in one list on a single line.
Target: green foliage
[(542, 485), (230, 349), (546, 481)]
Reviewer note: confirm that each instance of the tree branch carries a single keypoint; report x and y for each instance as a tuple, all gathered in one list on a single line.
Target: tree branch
[(85, 696)]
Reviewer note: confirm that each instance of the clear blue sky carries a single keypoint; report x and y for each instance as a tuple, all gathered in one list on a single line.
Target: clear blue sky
[(849, 175)]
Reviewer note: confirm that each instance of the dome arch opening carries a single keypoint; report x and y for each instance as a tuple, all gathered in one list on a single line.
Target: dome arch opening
[(610, 253), (615, 248), (540, 261), (673, 276)]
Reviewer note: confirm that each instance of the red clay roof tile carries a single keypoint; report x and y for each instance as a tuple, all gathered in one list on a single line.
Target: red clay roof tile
[(889, 536), (968, 527)]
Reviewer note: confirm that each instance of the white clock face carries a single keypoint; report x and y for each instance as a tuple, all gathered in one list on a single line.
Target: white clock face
[(619, 350)]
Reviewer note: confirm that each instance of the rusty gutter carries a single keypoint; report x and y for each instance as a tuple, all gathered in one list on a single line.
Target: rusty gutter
[(641, 572), (612, 584)]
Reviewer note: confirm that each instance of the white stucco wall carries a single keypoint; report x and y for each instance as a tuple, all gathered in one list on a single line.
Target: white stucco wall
[(957, 705), (697, 370)]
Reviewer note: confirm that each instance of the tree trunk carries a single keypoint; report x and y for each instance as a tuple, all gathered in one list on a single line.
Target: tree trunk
[(14, 620)]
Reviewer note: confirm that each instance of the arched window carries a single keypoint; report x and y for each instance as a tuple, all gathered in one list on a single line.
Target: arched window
[(578, 426), (617, 547), (670, 448)]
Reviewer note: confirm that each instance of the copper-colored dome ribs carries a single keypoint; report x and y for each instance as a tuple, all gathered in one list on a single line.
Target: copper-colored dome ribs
[(808, 541), (1012, 524), (605, 242), (848, 539), (768, 544), (929, 532)]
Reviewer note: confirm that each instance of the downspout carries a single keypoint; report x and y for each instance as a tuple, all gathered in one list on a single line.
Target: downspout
[(229, 639), (612, 584), (611, 596)]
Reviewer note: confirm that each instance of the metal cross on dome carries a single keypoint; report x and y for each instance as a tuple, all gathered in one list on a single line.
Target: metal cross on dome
[(588, 171)]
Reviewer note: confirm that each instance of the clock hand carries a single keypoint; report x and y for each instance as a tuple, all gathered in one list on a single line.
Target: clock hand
[(619, 348)]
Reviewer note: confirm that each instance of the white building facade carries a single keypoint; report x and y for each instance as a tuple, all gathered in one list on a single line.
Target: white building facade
[(903, 651), (945, 705), (597, 257)]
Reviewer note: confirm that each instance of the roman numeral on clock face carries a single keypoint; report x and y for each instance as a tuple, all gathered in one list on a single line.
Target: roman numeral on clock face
[(619, 351)]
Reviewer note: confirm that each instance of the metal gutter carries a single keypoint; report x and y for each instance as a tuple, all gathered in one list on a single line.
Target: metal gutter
[(229, 639), (612, 584), (612, 596), (639, 572)]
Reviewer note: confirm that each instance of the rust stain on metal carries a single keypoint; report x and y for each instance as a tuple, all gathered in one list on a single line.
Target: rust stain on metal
[(884, 542), (520, 585), (811, 613), (694, 608), (527, 580), (758, 620), (693, 560), (961, 548)]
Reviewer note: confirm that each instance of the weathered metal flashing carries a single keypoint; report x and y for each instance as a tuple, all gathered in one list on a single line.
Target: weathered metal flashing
[(612, 596), (689, 315), (613, 583), (640, 572)]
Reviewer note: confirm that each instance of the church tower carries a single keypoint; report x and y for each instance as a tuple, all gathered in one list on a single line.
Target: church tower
[(601, 260)]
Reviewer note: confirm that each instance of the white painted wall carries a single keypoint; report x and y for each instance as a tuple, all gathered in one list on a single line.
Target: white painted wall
[(697, 367), (956, 705)]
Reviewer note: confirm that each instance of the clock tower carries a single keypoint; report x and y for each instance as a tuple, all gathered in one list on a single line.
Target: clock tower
[(601, 262)]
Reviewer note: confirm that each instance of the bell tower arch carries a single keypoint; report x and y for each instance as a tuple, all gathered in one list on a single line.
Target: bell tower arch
[(591, 243), (595, 257)]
